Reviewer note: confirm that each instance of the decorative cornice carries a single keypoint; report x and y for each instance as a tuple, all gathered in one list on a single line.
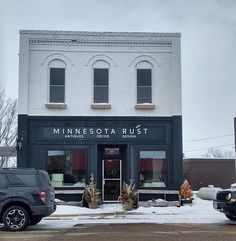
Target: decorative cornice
[(76, 42), (98, 34)]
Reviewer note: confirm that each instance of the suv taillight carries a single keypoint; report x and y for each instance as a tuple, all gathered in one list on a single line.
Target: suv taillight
[(43, 196)]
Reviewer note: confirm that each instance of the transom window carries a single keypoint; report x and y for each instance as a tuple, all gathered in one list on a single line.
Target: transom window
[(144, 86), (100, 85)]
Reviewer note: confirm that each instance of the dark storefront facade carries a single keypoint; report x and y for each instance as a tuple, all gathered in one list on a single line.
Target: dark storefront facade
[(147, 150)]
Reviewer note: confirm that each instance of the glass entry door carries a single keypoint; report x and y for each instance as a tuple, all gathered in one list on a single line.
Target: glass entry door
[(111, 172)]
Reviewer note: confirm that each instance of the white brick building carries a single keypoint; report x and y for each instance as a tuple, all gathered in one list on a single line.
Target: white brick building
[(93, 101)]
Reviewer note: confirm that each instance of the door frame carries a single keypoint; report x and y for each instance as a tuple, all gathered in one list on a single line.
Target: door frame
[(110, 179)]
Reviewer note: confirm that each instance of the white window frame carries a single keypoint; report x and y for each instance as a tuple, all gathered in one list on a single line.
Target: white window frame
[(144, 65), (101, 64), (56, 63)]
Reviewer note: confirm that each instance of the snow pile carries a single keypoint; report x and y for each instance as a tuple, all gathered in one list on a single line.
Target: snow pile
[(74, 211)]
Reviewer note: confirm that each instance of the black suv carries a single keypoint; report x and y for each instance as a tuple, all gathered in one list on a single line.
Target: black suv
[(226, 203), (26, 196)]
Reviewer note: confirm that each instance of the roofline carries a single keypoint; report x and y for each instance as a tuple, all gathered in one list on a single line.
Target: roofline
[(97, 33)]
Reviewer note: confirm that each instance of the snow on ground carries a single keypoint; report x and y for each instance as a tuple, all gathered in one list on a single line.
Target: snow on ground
[(201, 211)]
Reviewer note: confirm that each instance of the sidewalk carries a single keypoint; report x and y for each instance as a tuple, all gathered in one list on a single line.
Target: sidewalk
[(201, 211)]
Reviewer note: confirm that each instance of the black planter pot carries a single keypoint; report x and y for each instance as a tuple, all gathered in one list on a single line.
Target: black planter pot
[(186, 202)]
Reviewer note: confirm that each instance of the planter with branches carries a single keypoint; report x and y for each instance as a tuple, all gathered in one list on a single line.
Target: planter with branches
[(129, 195), (92, 195)]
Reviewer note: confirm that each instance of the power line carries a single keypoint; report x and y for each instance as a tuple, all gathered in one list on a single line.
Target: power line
[(210, 148), (209, 138)]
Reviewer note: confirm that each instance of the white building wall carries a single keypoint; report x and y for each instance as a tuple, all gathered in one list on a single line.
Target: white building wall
[(38, 48)]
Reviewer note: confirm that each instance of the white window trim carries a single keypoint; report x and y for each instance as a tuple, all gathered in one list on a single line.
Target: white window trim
[(56, 63), (145, 106), (56, 105), (104, 106), (152, 76), (101, 64)]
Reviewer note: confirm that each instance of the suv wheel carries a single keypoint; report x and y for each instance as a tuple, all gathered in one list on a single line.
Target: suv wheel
[(231, 217), (15, 218)]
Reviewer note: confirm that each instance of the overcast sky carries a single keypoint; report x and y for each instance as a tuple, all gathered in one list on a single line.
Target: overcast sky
[(208, 29)]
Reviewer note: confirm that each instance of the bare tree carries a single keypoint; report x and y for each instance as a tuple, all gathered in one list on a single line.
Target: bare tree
[(219, 153), (8, 123)]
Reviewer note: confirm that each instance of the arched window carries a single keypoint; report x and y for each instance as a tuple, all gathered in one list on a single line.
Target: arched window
[(101, 82), (144, 82), (57, 81)]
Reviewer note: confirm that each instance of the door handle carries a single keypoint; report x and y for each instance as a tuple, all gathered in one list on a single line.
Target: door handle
[(3, 193)]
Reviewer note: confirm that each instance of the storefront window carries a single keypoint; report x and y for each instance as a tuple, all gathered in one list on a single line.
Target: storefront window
[(152, 169), (67, 168)]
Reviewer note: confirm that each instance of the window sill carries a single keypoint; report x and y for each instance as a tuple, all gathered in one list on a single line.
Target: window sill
[(67, 191), (100, 106), (145, 107), (56, 105), (155, 191)]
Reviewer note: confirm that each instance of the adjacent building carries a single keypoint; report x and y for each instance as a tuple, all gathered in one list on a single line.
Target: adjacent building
[(235, 134), (202, 172), (105, 105)]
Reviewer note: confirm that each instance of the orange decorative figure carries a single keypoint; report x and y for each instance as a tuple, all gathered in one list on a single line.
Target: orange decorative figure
[(185, 190)]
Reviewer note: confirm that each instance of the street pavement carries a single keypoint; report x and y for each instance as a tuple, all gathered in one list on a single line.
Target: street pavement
[(128, 232)]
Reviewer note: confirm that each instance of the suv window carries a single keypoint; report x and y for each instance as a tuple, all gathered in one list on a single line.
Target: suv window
[(3, 181), (27, 180), (45, 180)]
